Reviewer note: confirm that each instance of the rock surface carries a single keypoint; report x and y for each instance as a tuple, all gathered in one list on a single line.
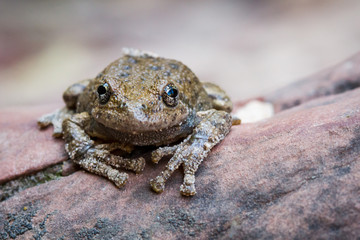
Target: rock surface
[(293, 176), (23, 148)]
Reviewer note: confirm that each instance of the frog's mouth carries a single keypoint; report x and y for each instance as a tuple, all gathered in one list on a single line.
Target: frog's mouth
[(138, 121)]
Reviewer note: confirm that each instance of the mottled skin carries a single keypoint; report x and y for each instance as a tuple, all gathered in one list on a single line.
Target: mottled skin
[(142, 100)]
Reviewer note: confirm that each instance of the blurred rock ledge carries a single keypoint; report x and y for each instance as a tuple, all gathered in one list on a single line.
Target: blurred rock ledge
[(334, 80), (295, 175)]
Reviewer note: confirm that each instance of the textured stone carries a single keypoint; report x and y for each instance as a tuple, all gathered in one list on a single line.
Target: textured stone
[(293, 176), (23, 148), (337, 79)]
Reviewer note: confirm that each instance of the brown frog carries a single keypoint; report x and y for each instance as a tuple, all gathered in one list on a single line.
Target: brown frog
[(142, 100)]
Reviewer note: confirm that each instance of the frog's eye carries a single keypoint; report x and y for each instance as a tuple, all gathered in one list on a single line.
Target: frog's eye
[(104, 93), (170, 95)]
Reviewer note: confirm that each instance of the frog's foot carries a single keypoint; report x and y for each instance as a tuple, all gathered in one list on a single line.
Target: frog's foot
[(56, 119), (190, 155), (214, 126), (95, 161)]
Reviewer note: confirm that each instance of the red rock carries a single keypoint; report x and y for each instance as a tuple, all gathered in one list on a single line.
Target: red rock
[(293, 176), (337, 79), (23, 148)]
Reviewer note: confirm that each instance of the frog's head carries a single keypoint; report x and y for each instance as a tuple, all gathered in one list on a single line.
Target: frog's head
[(142, 93)]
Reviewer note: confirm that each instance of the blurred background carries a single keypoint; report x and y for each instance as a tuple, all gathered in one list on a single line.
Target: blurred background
[(249, 47)]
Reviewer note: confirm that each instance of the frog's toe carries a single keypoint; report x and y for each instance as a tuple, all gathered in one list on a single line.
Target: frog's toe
[(44, 120), (137, 165), (188, 187), (158, 184), (120, 179), (57, 130), (235, 120), (188, 190), (156, 156)]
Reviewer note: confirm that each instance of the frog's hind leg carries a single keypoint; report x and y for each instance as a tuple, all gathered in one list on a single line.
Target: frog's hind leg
[(214, 126), (73, 92), (220, 100)]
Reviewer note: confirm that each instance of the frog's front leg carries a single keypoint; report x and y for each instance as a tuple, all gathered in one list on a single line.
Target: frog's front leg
[(57, 117), (213, 127), (96, 159), (161, 152)]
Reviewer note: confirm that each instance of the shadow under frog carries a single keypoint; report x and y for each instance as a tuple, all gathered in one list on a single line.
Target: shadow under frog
[(142, 100)]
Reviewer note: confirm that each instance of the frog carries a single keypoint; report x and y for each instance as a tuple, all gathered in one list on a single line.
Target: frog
[(142, 100)]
